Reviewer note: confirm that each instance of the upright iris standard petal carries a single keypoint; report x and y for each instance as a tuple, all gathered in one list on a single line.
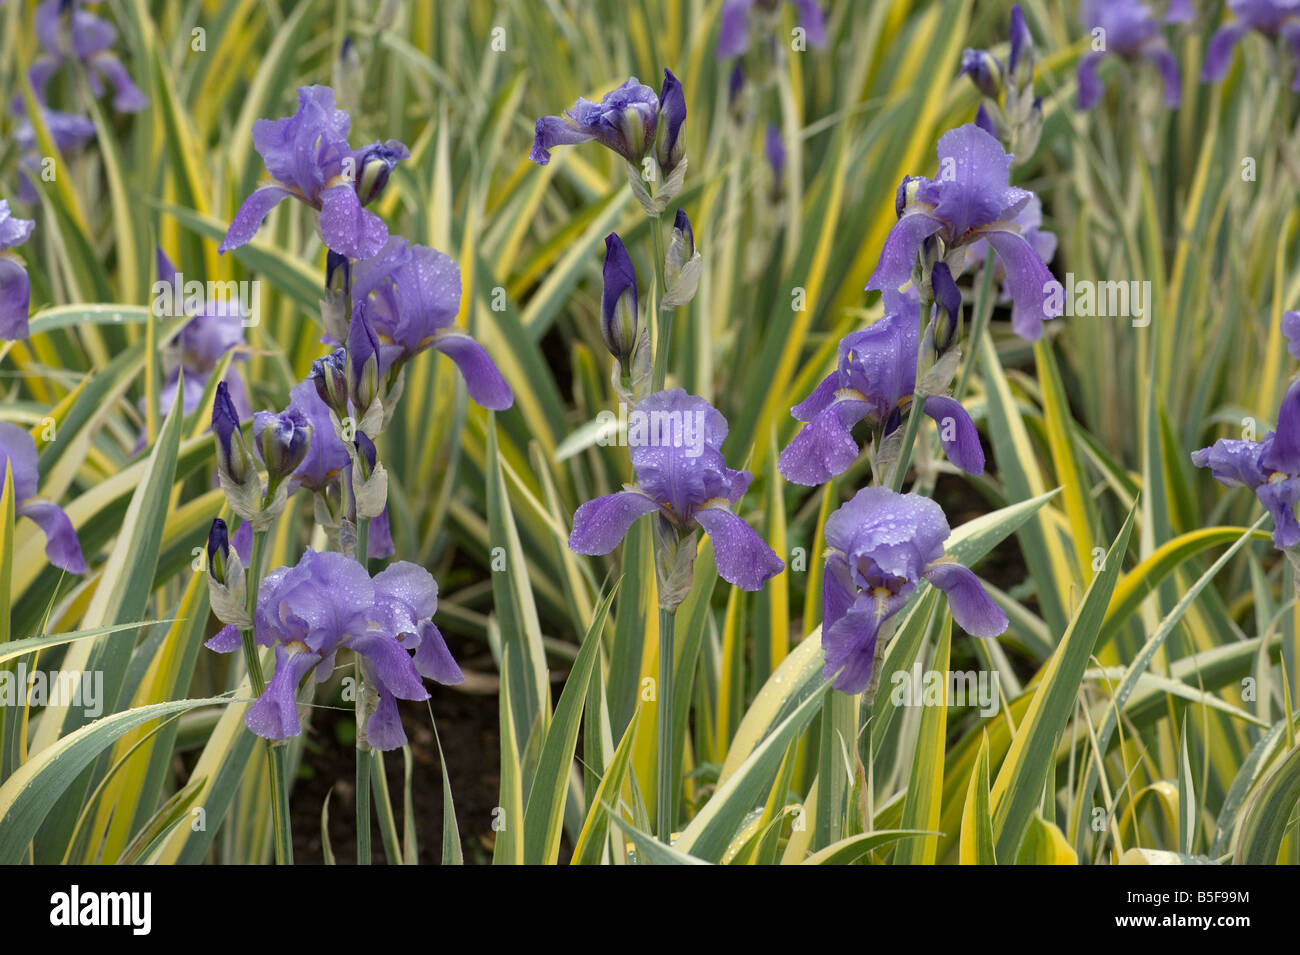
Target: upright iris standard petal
[(409, 296), (18, 455)]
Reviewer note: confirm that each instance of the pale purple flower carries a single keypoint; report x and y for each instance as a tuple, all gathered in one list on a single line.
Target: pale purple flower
[(409, 295), (18, 454), (881, 545), (1269, 18), (67, 32), (733, 36), (15, 287), (309, 159), (676, 442), (971, 199), (874, 380), (625, 120), (1129, 29), (1291, 329), (327, 602), (214, 329), (1271, 468)]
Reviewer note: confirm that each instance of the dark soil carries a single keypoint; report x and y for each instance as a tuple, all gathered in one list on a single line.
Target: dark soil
[(467, 725)]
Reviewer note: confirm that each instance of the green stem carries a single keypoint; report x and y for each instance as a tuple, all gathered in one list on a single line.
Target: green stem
[(983, 311), (275, 752), (667, 774), (663, 323), (363, 801), (915, 411)]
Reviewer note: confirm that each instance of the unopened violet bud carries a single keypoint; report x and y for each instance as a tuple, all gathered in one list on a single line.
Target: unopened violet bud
[(948, 297), (366, 454), (735, 84), (375, 164), (774, 147), (330, 376), (363, 363), (619, 319), (984, 71), (670, 133), (218, 550), (681, 264), (334, 306), (282, 441), (232, 457), (1020, 64)]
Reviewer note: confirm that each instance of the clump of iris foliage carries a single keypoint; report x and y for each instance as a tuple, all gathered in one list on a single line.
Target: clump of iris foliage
[(726, 382)]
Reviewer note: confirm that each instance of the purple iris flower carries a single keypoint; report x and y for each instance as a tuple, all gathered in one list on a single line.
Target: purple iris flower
[(733, 37), (18, 453), (15, 287), (308, 157), (1271, 468), (625, 121), (681, 476), (1269, 18), (1029, 220), (214, 329), (327, 602), (1130, 30), (409, 295), (970, 200), (875, 379), (67, 33), (881, 545), (1291, 329), (69, 132), (326, 457)]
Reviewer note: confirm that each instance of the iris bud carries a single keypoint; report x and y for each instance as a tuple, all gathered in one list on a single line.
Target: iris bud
[(619, 319)]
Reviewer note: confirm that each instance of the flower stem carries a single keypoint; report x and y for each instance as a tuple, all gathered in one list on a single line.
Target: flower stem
[(275, 752), (983, 310), (666, 770), (663, 323), (915, 412), (363, 784)]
